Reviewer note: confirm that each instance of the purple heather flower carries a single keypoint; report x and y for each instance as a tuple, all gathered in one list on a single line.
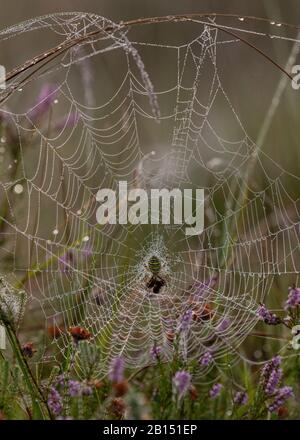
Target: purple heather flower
[(71, 120), (55, 401), (240, 398), (269, 318), (281, 396), (155, 352), (201, 289), (293, 298), (60, 380), (223, 325), (86, 251), (66, 261), (45, 99), (116, 372), (74, 388), (186, 320), (87, 390), (270, 366), (271, 375), (215, 390), (274, 380), (182, 382), (206, 359)]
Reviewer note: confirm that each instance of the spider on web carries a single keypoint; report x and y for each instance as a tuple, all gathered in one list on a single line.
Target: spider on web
[(156, 282)]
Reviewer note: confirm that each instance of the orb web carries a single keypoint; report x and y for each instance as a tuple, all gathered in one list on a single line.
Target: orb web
[(101, 111)]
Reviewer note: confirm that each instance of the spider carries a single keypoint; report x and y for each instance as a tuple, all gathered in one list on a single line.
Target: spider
[(156, 282)]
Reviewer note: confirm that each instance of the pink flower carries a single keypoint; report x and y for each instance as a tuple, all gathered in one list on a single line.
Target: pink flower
[(45, 100)]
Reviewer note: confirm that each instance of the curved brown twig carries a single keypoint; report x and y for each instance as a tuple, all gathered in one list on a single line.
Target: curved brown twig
[(42, 59)]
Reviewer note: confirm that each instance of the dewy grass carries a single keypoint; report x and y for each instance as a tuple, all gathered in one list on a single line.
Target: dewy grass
[(12, 306), (39, 403)]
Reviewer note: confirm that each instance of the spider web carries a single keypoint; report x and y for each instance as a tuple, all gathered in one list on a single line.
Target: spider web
[(73, 140)]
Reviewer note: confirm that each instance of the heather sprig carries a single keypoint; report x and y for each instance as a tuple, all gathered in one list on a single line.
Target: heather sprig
[(293, 300), (215, 390), (271, 374), (273, 381), (270, 394), (185, 321), (55, 401), (240, 398), (268, 317), (116, 370), (206, 358), (280, 397), (181, 383), (155, 352)]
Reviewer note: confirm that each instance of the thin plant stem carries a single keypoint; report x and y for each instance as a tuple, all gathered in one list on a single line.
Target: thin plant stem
[(42, 59), (32, 385)]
